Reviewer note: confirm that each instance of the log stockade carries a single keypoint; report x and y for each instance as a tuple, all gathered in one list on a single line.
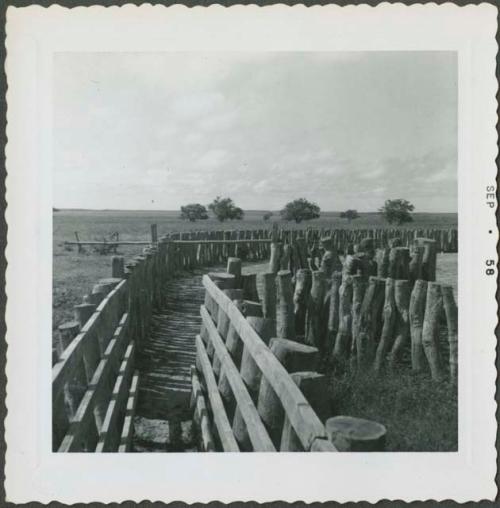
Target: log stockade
[(365, 300), (343, 239)]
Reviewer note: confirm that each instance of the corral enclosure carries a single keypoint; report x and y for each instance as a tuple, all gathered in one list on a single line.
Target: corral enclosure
[(196, 255), (74, 273)]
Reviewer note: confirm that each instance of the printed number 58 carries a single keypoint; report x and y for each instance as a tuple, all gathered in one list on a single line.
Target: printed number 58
[(490, 271)]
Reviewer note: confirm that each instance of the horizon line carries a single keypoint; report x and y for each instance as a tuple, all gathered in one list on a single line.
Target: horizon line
[(55, 208)]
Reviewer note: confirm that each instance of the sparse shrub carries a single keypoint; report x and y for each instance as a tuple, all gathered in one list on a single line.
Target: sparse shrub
[(193, 212)]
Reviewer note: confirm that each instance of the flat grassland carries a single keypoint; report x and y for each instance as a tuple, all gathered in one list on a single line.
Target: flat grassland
[(420, 415), (75, 273)]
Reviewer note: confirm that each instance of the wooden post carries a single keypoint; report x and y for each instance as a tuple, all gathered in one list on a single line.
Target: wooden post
[(429, 258), (402, 325), (154, 234), (451, 312), (67, 332), (415, 268), (249, 286), (382, 259), (343, 339), (274, 262), (369, 321), (356, 434), (83, 312), (430, 332), (303, 280), (268, 285), (389, 317), (117, 267), (358, 292), (251, 375), (285, 257), (295, 357), (417, 311), (234, 268), (316, 325), (313, 386), (285, 319), (333, 312), (78, 242)]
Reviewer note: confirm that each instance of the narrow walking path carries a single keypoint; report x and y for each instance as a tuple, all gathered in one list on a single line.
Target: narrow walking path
[(162, 420)]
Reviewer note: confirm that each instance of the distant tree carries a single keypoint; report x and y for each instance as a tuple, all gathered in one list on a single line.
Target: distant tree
[(349, 215), (267, 216), (299, 210), (194, 212), (397, 211), (225, 209)]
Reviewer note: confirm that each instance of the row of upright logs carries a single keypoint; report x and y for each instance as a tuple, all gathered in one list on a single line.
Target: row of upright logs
[(301, 361), (373, 309)]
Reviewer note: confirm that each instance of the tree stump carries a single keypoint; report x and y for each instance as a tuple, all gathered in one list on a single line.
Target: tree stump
[(356, 434)]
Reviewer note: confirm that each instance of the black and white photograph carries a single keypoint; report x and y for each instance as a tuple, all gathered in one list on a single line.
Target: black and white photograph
[(251, 253), (240, 235)]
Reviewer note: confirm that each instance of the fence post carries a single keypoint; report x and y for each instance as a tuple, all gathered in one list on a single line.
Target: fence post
[(451, 312), (313, 386), (344, 332), (402, 325), (117, 267), (268, 283), (429, 258), (276, 253), (285, 319), (294, 357), (389, 318), (417, 310), (315, 322), (303, 281), (154, 234), (430, 332), (234, 268)]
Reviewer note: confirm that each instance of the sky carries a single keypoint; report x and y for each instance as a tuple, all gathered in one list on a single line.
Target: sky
[(154, 131)]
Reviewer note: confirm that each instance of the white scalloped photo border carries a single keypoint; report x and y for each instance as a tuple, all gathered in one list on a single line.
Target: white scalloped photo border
[(33, 472)]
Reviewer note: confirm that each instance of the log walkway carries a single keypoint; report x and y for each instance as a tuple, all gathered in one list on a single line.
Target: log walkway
[(164, 364)]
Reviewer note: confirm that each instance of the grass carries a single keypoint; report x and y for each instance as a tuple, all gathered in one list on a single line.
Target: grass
[(419, 414)]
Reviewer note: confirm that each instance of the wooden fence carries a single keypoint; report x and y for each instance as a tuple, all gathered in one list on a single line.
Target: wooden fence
[(94, 384), (343, 239), (252, 400)]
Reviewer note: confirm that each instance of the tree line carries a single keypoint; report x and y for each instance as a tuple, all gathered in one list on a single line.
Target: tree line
[(394, 211)]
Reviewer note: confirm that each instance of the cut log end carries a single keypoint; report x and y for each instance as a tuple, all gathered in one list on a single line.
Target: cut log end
[(356, 434)]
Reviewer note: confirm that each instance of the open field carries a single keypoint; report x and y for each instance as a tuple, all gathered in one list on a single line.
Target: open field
[(75, 273)]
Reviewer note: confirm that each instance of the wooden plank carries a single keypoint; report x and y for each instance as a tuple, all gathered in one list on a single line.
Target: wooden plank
[(109, 436), (304, 420), (261, 442), (64, 370), (221, 421), (200, 417), (128, 424), (99, 389)]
